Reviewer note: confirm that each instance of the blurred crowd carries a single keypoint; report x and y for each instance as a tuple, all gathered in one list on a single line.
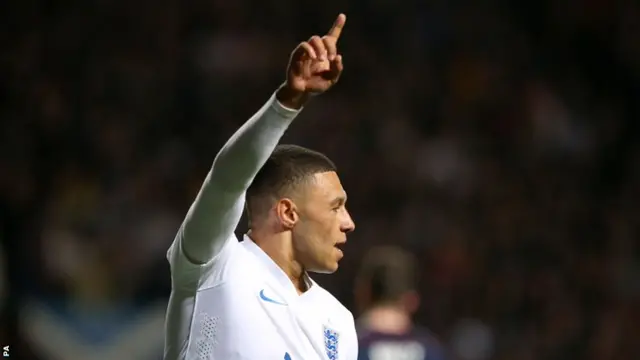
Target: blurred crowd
[(495, 140)]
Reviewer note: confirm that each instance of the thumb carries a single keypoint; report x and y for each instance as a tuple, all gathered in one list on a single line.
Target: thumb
[(337, 63)]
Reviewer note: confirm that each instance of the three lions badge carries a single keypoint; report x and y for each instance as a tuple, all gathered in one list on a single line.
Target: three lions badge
[(331, 338)]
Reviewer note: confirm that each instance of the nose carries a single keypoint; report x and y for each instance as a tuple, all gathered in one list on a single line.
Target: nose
[(347, 223)]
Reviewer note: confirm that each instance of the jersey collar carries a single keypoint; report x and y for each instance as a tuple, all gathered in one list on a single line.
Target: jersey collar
[(276, 272)]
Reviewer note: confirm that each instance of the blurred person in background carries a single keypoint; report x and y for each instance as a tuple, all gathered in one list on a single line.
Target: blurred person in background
[(387, 298)]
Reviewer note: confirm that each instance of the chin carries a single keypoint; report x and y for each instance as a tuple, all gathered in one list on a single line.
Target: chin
[(326, 269), (333, 267)]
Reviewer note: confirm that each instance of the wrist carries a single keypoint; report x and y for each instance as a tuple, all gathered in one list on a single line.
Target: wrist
[(290, 98)]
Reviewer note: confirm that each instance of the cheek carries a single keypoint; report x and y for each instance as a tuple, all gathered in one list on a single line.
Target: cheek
[(306, 235), (328, 226), (315, 234), (324, 233)]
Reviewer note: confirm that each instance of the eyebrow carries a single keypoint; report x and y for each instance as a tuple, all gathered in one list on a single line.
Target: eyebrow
[(340, 200)]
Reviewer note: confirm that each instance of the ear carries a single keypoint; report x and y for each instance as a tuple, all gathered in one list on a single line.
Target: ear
[(287, 213)]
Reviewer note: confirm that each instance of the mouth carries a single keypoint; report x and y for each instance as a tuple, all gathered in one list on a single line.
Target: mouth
[(339, 246)]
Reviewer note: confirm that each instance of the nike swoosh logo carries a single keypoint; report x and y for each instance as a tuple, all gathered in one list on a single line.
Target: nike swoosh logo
[(265, 298)]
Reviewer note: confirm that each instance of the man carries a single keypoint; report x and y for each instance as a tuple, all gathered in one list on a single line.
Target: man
[(253, 299), (385, 292)]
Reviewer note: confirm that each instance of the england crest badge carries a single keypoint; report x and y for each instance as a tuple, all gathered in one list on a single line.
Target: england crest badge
[(331, 338)]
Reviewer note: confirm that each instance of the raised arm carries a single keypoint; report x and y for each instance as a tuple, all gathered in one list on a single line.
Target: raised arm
[(314, 66)]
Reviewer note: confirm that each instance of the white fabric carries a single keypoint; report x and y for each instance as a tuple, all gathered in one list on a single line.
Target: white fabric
[(227, 317)]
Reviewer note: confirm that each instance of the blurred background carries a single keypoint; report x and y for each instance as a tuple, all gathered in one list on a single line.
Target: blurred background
[(495, 140)]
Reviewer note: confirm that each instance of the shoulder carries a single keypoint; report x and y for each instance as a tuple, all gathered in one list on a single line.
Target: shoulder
[(331, 301), (419, 343), (188, 275), (339, 315), (426, 336)]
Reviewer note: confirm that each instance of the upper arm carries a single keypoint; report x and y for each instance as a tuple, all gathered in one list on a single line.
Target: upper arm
[(210, 221), (205, 234), (189, 276)]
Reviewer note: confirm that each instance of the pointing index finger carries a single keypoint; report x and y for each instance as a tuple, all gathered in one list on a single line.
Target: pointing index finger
[(336, 29)]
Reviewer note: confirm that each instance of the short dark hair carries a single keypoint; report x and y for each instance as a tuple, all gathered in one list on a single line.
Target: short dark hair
[(388, 272), (287, 167)]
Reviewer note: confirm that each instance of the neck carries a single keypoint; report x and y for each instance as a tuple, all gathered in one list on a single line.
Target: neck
[(279, 248), (387, 319)]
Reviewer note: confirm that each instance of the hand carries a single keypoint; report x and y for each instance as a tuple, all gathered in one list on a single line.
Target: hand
[(314, 66)]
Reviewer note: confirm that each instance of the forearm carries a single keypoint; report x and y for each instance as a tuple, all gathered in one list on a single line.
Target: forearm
[(218, 207), (248, 149)]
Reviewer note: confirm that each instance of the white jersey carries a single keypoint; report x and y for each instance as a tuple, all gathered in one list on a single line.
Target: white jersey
[(245, 307)]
